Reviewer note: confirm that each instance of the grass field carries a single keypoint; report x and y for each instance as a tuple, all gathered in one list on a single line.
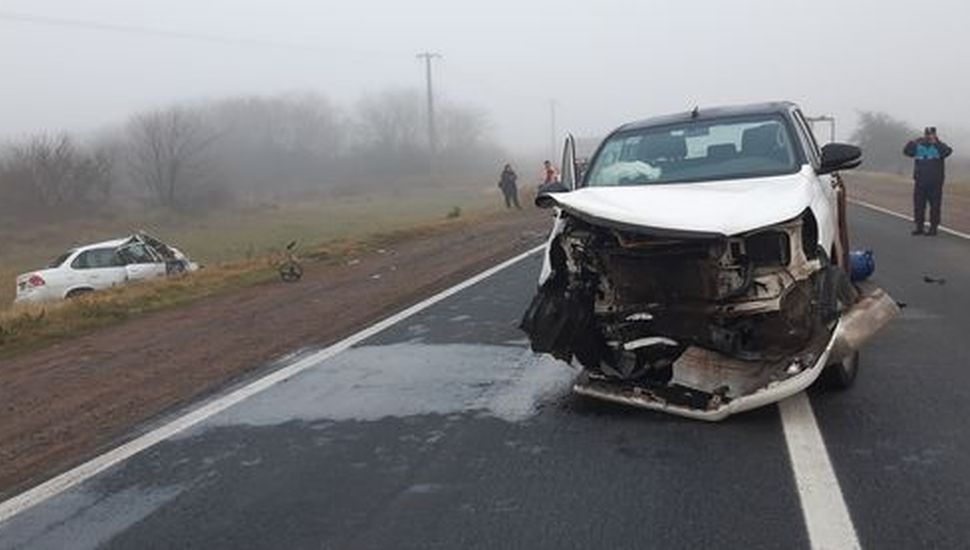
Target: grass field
[(242, 233), (239, 249)]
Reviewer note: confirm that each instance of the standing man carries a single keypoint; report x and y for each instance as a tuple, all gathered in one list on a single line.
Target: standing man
[(549, 173), (928, 154), (510, 191)]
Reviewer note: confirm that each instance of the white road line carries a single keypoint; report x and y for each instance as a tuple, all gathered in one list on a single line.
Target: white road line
[(89, 469), (826, 516), (901, 216)]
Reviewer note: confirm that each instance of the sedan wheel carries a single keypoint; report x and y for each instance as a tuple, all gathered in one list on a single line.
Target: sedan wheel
[(77, 293)]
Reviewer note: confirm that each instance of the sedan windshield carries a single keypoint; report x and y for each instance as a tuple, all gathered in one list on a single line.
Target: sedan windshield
[(700, 150)]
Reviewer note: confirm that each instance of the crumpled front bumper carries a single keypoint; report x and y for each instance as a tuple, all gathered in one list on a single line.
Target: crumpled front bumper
[(771, 393), (870, 314)]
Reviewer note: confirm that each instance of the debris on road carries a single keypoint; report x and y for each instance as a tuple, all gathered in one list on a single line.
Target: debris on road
[(863, 264)]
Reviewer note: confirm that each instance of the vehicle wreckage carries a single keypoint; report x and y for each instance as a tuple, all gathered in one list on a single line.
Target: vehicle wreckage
[(102, 265), (701, 266)]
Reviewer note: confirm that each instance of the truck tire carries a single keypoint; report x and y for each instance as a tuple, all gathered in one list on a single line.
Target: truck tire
[(842, 375)]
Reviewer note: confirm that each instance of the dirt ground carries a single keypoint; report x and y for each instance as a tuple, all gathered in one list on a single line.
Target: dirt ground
[(66, 402)]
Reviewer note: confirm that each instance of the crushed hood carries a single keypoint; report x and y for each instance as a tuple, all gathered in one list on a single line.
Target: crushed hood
[(724, 207)]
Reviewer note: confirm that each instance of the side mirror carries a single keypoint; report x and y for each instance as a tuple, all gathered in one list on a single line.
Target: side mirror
[(544, 198), (839, 156)]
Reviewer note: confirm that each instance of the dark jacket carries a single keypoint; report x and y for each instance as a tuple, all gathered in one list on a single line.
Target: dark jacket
[(928, 160), (507, 180)]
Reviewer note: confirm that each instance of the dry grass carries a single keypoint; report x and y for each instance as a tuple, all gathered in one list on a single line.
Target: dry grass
[(241, 233), (28, 326)]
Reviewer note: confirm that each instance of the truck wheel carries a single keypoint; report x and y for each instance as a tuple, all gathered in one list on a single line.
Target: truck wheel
[(841, 375)]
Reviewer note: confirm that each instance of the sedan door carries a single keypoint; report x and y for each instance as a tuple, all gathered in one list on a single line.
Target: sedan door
[(141, 262), (98, 268)]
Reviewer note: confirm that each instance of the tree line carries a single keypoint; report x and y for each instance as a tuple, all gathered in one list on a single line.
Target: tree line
[(205, 154), (882, 137)]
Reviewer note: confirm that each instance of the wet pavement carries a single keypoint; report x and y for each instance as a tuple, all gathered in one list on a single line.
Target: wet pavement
[(444, 431)]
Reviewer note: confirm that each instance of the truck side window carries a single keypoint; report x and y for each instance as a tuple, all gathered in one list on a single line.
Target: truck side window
[(808, 138)]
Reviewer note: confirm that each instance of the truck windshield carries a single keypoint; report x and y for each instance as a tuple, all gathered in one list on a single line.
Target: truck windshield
[(700, 150)]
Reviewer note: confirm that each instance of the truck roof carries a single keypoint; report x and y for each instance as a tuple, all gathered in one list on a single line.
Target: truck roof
[(711, 113)]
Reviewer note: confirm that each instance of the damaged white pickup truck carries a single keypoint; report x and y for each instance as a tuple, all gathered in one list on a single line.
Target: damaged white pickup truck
[(700, 265)]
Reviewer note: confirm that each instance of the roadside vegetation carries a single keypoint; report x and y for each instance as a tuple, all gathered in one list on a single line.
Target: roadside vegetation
[(882, 137), (235, 177), (230, 182), (238, 233)]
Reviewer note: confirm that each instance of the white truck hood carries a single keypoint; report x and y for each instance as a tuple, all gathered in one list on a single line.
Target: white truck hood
[(723, 207)]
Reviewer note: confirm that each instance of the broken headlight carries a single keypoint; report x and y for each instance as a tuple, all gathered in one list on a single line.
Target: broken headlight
[(768, 248)]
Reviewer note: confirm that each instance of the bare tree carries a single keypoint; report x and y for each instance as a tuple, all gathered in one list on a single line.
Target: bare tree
[(57, 171), (167, 153), (276, 143), (882, 137), (391, 120), (462, 128)]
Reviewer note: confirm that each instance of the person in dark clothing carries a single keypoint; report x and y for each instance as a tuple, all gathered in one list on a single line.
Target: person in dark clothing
[(506, 183), (928, 154)]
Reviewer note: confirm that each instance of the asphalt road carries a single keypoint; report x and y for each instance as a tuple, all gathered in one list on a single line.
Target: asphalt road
[(443, 431)]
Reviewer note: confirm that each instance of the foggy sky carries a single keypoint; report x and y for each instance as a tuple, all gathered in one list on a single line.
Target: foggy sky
[(604, 61)]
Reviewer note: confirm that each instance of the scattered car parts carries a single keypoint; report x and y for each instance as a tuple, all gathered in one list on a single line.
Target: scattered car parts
[(290, 269)]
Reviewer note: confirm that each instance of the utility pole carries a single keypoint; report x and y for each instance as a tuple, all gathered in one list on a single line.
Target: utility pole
[(432, 135), (552, 130)]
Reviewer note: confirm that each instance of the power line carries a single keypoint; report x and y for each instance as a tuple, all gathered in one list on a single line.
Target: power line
[(44, 20)]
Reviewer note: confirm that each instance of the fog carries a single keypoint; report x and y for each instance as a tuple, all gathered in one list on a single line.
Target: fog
[(603, 62)]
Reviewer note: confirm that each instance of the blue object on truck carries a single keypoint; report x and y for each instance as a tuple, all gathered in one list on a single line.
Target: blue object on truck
[(863, 264)]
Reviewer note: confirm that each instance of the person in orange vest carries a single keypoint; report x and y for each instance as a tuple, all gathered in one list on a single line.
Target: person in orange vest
[(550, 174)]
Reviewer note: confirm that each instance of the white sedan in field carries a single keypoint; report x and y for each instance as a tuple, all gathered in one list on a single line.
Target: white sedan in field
[(102, 265)]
